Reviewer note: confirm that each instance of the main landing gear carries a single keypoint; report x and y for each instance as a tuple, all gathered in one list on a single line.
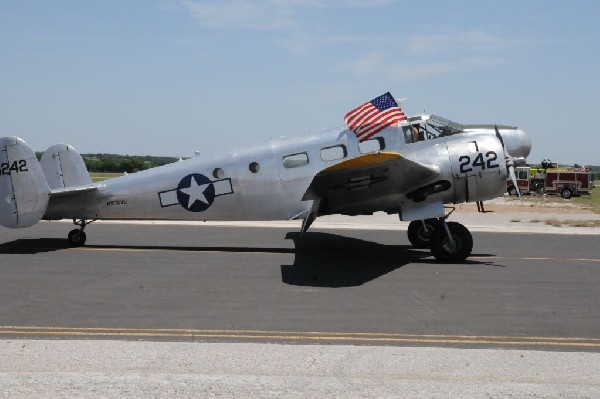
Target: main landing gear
[(448, 241), (77, 237)]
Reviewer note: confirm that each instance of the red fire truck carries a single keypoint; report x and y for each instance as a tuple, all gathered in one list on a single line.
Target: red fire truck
[(563, 181)]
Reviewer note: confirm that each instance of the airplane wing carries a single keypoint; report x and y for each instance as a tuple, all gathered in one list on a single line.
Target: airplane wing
[(367, 183)]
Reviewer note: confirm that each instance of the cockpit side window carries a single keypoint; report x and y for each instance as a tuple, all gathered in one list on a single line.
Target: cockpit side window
[(440, 127), (413, 133), (429, 128)]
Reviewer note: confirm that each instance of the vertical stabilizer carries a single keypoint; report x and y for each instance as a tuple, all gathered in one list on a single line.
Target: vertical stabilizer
[(64, 168), (24, 192)]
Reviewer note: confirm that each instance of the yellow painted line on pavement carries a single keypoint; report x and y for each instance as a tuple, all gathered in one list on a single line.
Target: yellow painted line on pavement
[(284, 249), (120, 249), (260, 335), (199, 250), (537, 258)]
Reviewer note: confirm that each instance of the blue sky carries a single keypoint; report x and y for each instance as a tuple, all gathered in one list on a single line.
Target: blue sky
[(168, 77)]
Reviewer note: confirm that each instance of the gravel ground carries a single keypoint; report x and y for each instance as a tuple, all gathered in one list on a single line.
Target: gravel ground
[(43, 369)]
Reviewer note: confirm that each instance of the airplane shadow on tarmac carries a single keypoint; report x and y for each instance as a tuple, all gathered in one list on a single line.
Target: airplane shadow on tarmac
[(330, 260), (320, 259), (33, 245), (40, 245)]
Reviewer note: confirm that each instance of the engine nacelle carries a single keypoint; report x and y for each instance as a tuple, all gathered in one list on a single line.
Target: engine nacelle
[(478, 168)]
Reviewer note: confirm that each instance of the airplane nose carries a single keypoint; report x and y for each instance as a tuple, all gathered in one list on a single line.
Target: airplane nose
[(518, 144), (525, 141)]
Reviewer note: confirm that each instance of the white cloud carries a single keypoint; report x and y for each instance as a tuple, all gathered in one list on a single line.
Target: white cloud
[(467, 41), (426, 56), (416, 57), (367, 64), (400, 71), (380, 64), (260, 15), (302, 43)]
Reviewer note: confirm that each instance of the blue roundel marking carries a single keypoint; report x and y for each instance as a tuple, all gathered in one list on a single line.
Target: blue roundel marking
[(195, 192)]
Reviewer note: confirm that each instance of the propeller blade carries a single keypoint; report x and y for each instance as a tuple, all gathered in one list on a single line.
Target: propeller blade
[(510, 164), (513, 177)]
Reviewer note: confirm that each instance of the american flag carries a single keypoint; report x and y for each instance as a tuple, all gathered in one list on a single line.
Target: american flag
[(374, 116)]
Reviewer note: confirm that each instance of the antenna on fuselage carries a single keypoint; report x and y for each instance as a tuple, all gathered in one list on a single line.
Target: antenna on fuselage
[(179, 159)]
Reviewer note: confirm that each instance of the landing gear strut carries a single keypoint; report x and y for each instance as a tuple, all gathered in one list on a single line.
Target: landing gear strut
[(77, 237), (448, 241)]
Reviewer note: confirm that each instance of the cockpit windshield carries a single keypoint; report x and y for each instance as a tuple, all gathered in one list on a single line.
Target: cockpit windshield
[(429, 127)]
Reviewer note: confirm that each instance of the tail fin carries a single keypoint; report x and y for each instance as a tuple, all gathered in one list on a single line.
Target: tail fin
[(24, 192), (64, 168)]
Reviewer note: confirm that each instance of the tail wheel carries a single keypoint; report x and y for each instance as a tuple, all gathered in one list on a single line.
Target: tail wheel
[(420, 235), (458, 250), (76, 238)]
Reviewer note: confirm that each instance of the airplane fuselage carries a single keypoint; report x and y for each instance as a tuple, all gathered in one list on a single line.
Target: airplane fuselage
[(269, 182)]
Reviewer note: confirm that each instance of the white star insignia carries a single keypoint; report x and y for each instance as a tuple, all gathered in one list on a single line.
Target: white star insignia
[(195, 192)]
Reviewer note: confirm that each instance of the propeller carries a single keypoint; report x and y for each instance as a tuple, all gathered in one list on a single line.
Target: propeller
[(510, 164)]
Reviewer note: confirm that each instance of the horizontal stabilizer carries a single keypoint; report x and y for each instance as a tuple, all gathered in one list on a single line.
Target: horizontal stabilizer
[(64, 192), (24, 192)]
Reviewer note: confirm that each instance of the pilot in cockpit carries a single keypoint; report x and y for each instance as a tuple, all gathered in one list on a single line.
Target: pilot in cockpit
[(417, 134), (412, 133)]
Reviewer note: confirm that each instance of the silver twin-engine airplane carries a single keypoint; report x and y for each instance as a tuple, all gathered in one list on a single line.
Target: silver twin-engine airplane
[(383, 161)]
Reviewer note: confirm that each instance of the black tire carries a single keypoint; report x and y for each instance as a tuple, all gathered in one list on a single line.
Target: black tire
[(566, 193), (511, 190), (420, 237), (76, 238), (440, 246)]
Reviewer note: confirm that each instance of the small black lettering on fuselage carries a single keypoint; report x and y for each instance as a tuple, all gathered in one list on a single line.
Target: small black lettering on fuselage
[(116, 203), (6, 168)]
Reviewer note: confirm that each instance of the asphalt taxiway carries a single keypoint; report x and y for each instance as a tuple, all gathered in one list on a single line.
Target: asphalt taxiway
[(250, 284), (255, 310)]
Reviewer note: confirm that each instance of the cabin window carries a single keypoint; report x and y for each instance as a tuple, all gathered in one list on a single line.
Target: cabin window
[(295, 160), (254, 167), (334, 152), (218, 173), (372, 145)]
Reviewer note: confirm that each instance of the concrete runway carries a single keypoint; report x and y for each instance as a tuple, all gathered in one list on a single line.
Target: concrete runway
[(266, 285)]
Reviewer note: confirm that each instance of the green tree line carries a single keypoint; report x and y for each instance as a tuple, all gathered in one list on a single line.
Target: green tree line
[(123, 163), (114, 163)]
